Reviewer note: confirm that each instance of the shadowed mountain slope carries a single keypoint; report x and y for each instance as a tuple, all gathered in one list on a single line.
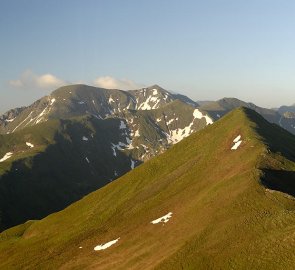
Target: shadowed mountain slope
[(48, 166)]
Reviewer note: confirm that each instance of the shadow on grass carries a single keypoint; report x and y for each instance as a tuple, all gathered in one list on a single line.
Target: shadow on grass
[(278, 180), (275, 137)]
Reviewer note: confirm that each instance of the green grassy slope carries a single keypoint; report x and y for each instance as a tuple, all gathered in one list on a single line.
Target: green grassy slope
[(223, 217)]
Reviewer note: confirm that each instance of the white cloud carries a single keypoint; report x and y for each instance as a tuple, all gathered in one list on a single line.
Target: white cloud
[(29, 80), (113, 83)]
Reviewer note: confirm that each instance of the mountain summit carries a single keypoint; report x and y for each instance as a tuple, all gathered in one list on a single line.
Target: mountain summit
[(80, 138), (76, 100), (216, 200)]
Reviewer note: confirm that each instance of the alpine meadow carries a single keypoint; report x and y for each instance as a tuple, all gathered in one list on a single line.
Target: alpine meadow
[(153, 135)]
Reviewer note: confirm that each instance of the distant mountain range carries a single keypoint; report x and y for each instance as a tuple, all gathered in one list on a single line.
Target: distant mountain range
[(284, 116), (223, 198)]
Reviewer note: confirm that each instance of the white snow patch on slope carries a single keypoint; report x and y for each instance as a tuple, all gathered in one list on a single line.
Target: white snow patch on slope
[(6, 156), (155, 92), (170, 121), (163, 219), (156, 104), (132, 164), (128, 141), (81, 102), (87, 159), (40, 116), (236, 145), (178, 134), (22, 121), (200, 115), (84, 138), (122, 125), (114, 151), (237, 141), (118, 147), (106, 245), (30, 144), (111, 99), (52, 101), (146, 104), (158, 120), (144, 147), (10, 120)]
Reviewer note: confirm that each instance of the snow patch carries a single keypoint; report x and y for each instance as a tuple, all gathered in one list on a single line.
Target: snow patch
[(81, 102), (236, 145), (22, 121), (163, 219), (237, 141), (52, 101), (85, 138), (87, 159), (114, 151), (122, 125), (200, 115), (144, 147), (178, 134), (118, 147), (111, 99), (6, 156), (132, 164), (170, 121), (10, 120), (30, 144), (40, 116), (146, 104), (106, 245)]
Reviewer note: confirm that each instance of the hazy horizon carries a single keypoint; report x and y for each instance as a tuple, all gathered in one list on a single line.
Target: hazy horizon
[(172, 91), (205, 50)]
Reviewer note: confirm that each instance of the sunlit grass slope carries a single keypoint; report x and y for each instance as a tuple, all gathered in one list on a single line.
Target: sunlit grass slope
[(224, 214)]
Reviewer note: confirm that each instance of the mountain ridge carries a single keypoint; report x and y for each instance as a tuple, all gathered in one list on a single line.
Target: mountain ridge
[(99, 151), (219, 108), (221, 214), (79, 99)]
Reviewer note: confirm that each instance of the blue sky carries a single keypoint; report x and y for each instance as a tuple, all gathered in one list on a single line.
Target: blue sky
[(203, 49)]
